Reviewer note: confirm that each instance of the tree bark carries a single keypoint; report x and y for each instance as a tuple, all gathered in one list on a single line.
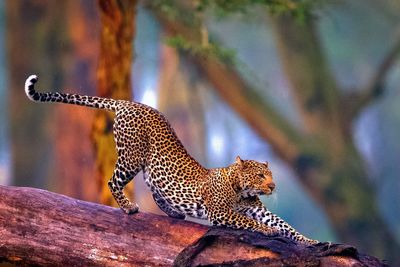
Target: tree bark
[(114, 81), (38, 227)]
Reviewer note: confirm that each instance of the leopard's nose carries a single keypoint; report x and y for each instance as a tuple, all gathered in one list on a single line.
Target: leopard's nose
[(271, 186)]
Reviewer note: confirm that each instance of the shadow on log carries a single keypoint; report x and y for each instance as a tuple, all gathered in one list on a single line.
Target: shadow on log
[(38, 227)]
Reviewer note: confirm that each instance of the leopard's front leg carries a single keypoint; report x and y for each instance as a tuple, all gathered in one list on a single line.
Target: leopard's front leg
[(220, 212), (253, 208), (236, 220)]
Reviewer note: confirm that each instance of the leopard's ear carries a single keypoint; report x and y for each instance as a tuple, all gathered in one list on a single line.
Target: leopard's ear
[(266, 163), (239, 161)]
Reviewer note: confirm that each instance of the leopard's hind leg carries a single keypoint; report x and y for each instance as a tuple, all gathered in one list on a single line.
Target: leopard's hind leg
[(118, 181), (165, 207)]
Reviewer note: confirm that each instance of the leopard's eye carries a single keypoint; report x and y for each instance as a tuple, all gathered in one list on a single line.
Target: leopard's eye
[(261, 175)]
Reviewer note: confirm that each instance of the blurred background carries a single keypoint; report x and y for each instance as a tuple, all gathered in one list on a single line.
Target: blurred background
[(312, 87)]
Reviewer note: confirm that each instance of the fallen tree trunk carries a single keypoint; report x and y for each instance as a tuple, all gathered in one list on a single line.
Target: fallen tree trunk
[(38, 227)]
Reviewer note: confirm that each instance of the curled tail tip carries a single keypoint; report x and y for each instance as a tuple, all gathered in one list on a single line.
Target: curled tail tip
[(29, 88), (32, 79)]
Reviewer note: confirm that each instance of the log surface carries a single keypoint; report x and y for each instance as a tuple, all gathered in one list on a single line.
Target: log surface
[(42, 228)]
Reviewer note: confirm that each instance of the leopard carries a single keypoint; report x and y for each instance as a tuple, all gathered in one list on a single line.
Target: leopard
[(180, 185)]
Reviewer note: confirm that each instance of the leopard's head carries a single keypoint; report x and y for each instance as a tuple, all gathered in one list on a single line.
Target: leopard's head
[(255, 178)]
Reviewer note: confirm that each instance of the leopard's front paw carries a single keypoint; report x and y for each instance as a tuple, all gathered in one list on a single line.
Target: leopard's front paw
[(130, 208)]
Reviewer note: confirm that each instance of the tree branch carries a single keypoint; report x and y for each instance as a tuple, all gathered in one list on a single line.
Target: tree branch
[(245, 100), (315, 90), (250, 105), (376, 87), (38, 227)]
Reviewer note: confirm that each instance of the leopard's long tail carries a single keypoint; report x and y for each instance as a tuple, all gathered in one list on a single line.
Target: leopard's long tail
[(82, 100)]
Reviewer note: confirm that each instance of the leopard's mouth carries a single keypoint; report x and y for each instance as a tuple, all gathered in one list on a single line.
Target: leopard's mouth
[(255, 192), (265, 192)]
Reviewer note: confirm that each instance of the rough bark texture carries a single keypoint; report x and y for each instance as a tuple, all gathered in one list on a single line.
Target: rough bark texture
[(114, 80), (38, 227)]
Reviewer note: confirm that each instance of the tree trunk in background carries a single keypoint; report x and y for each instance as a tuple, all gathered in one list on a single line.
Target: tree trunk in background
[(114, 81), (33, 28), (329, 165), (74, 155)]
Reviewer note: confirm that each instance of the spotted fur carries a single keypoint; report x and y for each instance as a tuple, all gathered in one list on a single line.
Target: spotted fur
[(181, 187)]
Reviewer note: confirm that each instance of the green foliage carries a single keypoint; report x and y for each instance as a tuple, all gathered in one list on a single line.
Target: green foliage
[(192, 16), (213, 50), (175, 11), (300, 9)]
